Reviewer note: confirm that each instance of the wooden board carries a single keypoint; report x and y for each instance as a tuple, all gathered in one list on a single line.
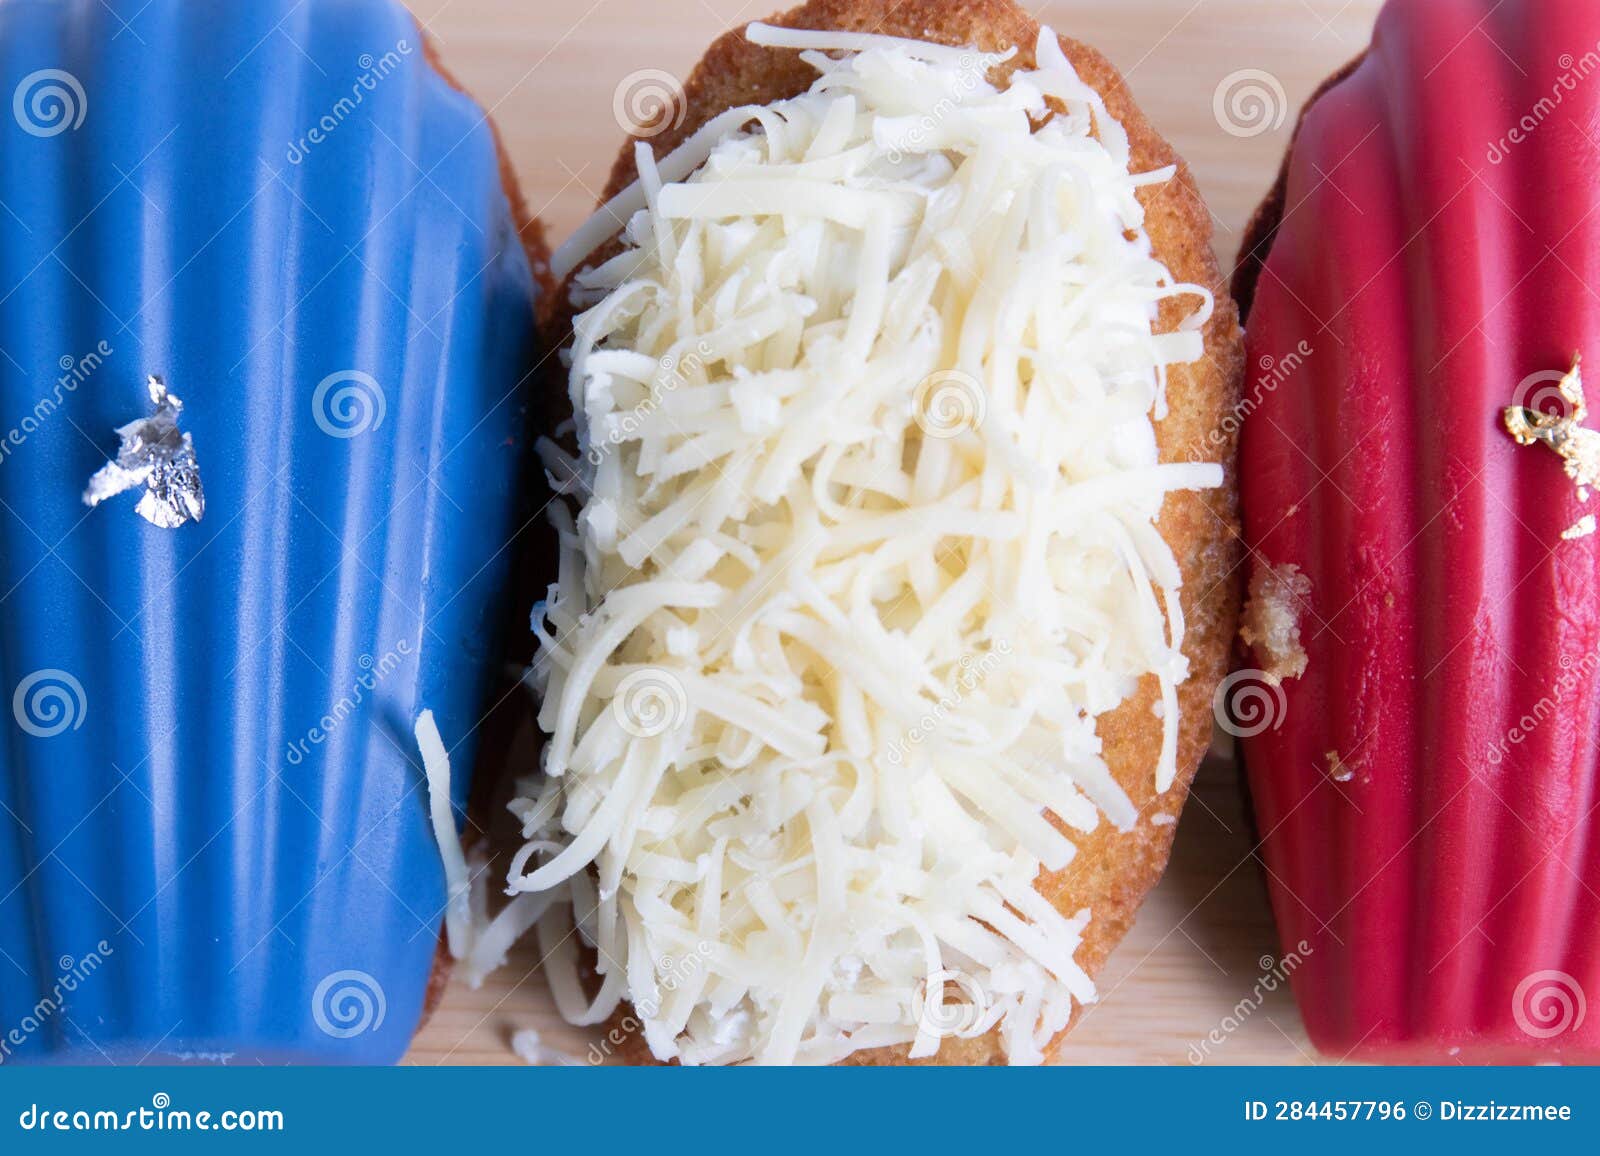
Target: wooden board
[(1187, 985)]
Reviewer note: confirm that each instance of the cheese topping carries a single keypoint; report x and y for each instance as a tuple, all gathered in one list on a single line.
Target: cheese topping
[(458, 922), (864, 542)]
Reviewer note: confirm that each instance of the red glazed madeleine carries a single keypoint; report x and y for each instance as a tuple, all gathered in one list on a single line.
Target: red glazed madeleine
[(1426, 787)]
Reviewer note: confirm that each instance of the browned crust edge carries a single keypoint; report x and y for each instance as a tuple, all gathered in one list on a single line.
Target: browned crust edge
[(1113, 870), (1263, 227), (530, 231)]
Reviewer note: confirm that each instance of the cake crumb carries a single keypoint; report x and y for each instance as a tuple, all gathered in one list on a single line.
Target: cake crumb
[(1338, 771), (1271, 620), (531, 1049)]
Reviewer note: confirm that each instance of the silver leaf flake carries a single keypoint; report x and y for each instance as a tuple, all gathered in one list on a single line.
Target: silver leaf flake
[(156, 455)]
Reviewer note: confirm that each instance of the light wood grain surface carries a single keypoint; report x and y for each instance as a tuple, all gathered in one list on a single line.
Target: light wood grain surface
[(1189, 974)]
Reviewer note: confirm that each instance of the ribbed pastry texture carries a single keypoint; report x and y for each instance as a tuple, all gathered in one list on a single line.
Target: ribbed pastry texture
[(1426, 789), (213, 822)]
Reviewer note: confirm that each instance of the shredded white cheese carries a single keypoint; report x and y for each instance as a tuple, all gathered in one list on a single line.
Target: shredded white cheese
[(864, 543), (480, 944), (458, 916)]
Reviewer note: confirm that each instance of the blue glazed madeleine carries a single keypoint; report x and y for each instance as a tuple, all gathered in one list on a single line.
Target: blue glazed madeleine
[(214, 835)]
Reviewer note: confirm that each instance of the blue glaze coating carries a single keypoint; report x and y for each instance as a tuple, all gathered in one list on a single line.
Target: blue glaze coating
[(225, 848)]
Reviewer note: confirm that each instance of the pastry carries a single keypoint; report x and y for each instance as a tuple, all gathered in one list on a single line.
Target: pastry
[(897, 448), (1415, 476), (267, 304)]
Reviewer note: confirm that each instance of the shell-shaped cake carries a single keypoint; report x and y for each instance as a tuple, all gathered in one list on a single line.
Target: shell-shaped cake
[(1416, 476), (266, 308)]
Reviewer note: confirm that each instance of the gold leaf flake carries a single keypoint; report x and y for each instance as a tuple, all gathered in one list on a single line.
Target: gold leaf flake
[(1564, 433), (1338, 770)]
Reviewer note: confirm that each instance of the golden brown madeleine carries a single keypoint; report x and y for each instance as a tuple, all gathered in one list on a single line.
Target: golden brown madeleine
[(1113, 869)]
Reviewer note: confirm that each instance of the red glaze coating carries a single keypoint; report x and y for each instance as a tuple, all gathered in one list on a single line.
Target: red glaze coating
[(1431, 261)]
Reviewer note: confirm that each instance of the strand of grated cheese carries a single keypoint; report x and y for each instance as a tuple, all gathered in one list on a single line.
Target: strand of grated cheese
[(822, 657), (459, 923)]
